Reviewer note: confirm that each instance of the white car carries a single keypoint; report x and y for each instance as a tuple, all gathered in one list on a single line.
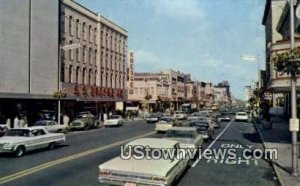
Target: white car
[(187, 137), (51, 126), (164, 124), (180, 115), (194, 118), (241, 116), (144, 171), (114, 120), (19, 141)]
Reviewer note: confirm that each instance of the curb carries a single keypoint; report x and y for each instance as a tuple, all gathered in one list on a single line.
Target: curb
[(275, 168)]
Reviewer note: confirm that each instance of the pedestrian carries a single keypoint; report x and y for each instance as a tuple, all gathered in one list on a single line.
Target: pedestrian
[(22, 122), (66, 120), (16, 122), (25, 122), (8, 123), (104, 117)]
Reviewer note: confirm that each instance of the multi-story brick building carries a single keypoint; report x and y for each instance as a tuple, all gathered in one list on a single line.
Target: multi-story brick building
[(36, 61)]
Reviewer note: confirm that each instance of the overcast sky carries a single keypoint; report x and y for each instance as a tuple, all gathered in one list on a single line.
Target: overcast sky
[(201, 37)]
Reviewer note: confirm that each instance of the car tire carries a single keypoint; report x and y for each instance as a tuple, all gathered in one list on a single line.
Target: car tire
[(51, 146), (20, 151)]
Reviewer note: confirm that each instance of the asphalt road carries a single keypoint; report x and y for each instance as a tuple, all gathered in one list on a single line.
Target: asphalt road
[(76, 162)]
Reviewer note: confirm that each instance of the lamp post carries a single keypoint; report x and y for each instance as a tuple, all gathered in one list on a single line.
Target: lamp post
[(294, 121), (60, 95)]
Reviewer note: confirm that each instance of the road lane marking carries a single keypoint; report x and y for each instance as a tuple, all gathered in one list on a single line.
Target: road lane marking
[(65, 159), (197, 161)]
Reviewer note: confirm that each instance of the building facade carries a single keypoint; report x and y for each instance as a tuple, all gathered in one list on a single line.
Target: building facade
[(38, 62)]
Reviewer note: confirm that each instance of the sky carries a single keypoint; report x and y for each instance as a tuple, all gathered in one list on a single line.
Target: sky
[(202, 37)]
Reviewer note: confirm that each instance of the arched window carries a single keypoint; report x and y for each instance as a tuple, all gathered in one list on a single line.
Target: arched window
[(77, 75), (90, 77), (77, 28), (83, 30), (70, 74), (71, 51), (83, 76), (70, 25), (83, 53), (90, 55)]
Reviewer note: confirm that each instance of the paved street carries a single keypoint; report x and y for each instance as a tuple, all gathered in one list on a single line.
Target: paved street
[(232, 172), (94, 147)]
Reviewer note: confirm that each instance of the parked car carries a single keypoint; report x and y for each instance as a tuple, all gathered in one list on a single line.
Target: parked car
[(224, 117), (144, 171), (241, 116), (3, 129), (19, 141), (84, 121), (51, 126), (153, 117), (188, 137), (180, 115), (165, 123), (115, 120), (203, 128), (194, 117)]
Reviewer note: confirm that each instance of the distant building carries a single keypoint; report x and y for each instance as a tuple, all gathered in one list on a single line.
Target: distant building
[(248, 93)]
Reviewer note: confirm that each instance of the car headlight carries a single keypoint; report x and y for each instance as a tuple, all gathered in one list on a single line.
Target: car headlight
[(7, 145), (104, 172)]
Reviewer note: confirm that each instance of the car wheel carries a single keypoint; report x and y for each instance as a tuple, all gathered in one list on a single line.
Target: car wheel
[(51, 146), (20, 151), (86, 127), (59, 131)]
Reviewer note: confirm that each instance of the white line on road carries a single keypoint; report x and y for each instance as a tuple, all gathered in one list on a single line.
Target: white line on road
[(196, 162)]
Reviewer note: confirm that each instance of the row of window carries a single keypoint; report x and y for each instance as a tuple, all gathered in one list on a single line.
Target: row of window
[(88, 77)]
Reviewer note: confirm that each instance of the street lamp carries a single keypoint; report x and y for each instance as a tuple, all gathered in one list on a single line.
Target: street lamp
[(294, 121), (62, 93)]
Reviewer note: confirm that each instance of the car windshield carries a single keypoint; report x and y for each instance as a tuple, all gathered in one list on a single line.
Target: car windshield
[(165, 120), (205, 124), (40, 123), (115, 117), (180, 134), (242, 114), (18, 132)]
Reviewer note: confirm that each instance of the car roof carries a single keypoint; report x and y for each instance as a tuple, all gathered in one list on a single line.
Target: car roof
[(183, 128), (154, 142), (241, 113)]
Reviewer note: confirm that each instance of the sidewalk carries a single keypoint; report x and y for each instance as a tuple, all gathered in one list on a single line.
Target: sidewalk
[(279, 137)]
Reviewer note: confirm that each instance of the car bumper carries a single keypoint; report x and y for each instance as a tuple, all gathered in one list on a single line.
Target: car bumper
[(76, 127), (110, 124), (118, 181), (241, 119), (151, 119)]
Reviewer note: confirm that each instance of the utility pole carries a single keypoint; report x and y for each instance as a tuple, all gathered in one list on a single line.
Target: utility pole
[(294, 121)]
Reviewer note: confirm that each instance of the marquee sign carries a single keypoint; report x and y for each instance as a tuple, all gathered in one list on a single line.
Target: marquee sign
[(131, 72)]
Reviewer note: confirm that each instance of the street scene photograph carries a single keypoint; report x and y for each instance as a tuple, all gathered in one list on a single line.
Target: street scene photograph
[(149, 92)]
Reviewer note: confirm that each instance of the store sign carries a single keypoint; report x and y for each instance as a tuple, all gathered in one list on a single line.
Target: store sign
[(131, 72), (119, 106)]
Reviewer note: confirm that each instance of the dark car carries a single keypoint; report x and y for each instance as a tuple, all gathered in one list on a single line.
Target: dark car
[(224, 117), (155, 117), (203, 129)]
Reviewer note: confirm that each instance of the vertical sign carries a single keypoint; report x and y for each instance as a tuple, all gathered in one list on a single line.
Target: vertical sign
[(131, 72)]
